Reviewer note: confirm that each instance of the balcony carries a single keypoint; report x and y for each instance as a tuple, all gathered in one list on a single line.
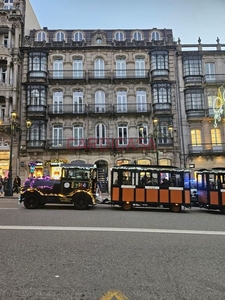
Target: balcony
[(159, 75), (195, 113), (67, 110), (214, 79), (66, 76), (132, 108), (109, 144), (36, 145), (99, 109), (208, 149), (137, 75)]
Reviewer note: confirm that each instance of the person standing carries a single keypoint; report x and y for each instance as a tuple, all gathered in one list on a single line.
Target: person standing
[(1, 185)]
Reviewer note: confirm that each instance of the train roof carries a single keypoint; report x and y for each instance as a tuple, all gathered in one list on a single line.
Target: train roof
[(160, 168), (80, 166)]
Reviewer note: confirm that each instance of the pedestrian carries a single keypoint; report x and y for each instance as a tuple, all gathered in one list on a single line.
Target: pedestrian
[(16, 184), (99, 188), (1, 185)]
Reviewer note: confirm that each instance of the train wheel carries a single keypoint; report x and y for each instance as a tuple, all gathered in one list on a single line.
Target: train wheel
[(31, 202), (127, 205), (223, 210), (175, 208), (81, 201)]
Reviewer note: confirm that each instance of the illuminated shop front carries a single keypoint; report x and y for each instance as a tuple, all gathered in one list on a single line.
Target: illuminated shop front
[(54, 167), (36, 169)]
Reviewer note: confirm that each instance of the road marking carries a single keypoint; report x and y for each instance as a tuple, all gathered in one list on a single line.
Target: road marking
[(114, 295), (8, 208), (110, 229)]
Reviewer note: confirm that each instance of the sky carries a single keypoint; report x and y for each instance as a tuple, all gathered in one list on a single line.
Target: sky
[(189, 19)]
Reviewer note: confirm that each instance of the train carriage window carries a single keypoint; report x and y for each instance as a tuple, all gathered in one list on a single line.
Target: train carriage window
[(186, 180), (127, 178), (115, 178)]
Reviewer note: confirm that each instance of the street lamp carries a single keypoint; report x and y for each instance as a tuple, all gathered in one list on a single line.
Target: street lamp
[(13, 126)]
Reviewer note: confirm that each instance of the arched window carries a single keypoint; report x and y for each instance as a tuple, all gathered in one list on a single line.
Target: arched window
[(100, 134), (143, 134), (141, 101), (60, 36), (99, 66), (78, 36), (155, 36), (137, 36), (99, 102), (58, 68), (122, 134), (119, 36), (139, 67), (121, 101), (41, 36)]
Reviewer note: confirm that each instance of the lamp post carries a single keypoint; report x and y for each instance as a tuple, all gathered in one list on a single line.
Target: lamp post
[(13, 126)]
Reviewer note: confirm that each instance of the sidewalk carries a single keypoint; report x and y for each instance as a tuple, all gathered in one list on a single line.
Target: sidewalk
[(15, 197)]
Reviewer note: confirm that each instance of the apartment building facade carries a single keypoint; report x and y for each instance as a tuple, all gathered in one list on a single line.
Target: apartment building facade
[(15, 19), (103, 96)]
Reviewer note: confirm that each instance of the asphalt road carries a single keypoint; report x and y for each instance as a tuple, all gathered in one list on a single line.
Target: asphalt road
[(105, 253)]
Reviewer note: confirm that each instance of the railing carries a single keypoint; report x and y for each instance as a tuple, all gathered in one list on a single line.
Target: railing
[(97, 74), (109, 144), (214, 78), (77, 109), (206, 149)]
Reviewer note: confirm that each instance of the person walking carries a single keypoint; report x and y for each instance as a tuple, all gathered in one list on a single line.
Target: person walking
[(16, 184), (1, 186)]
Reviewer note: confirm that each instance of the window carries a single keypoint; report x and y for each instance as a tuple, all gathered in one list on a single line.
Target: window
[(155, 36), (141, 100), (122, 101), (143, 134), (78, 135), (98, 40), (99, 102), (159, 63), (78, 68), (3, 72), (37, 64), (196, 137), (119, 36), (99, 68), (194, 99), (8, 4), (100, 134), (161, 93), (210, 71), (139, 67), (37, 134), (41, 36), (78, 36), (163, 133), (137, 36), (36, 97), (57, 139), (6, 41), (60, 36), (77, 102), (216, 136), (192, 66), (121, 68), (122, 134), (58, 68), (58, 102)]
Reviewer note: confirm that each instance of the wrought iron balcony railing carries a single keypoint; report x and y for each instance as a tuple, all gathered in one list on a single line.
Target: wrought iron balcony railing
[(206, 149)]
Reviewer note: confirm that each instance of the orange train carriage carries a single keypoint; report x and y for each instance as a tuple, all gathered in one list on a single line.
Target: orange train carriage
[(152, 186), (211, 188)]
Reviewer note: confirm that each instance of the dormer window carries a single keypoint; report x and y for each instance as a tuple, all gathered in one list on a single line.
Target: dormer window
[(137, 36), (41, 36), (155, 36), (98, 40), (119, 36), (78, 36), (60, 36)]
